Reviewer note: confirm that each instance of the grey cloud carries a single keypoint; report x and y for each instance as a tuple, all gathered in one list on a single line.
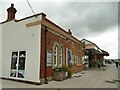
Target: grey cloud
[(89, 18), (83, 18)]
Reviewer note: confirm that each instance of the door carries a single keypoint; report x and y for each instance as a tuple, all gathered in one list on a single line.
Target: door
[(18, 64), (14, 59)]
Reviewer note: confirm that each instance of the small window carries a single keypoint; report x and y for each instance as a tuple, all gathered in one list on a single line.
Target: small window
[(69, 61)]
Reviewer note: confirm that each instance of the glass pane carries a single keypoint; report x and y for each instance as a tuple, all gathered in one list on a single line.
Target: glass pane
[(55, 55), (60, 59), (22, 56), (13, 73), (69, 57), (61, 52), (14, 60), (54, 59), (21, 65), (21, 73)]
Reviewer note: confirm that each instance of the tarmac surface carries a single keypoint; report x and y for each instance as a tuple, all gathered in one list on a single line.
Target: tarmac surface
[(90, 78)]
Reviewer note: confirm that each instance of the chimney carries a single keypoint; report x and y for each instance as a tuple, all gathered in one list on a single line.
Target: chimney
[(69, 32), (11, 13)]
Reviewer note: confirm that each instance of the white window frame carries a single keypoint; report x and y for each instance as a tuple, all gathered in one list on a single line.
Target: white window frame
[(18, 59)]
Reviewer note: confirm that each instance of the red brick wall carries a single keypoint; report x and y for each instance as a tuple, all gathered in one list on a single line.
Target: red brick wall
[(50, 40)]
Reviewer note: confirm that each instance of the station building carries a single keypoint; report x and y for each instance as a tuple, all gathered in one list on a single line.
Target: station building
[(32, 46), (93, 54)]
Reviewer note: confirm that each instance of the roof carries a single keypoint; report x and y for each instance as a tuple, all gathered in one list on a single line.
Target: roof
[(43, 14), (63, 30), (92, 50), (24, 18), (83, 40), (105, 53)]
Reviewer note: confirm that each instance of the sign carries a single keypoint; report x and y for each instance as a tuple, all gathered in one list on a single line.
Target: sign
[(49, 58)]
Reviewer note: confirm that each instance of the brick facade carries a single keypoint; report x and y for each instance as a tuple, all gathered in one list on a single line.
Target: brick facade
[(53, 37)]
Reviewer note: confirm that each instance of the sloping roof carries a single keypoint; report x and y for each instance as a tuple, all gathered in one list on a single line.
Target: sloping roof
[(85, 40), (47, 21), (64, 31), (105, 53), (99, 51)]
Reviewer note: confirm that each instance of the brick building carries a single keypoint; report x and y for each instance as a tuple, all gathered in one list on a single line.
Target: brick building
[(32, 46)]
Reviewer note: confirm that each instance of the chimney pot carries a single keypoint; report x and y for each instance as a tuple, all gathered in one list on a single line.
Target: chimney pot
[(12, 5)]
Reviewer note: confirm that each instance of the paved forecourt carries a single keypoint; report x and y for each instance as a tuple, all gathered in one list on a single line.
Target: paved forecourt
[(90, 78)]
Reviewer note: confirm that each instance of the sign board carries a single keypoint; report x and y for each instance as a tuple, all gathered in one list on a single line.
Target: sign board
[(49, 58)]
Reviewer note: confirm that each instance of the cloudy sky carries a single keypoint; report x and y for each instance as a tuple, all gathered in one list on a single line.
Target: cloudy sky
[(95, 21)]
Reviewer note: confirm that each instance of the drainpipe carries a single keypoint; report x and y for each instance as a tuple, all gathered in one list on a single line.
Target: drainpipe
[(45, 74)]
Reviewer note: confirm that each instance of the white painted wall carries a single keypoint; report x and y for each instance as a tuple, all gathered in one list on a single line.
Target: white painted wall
[(17, 37), (0, 50)]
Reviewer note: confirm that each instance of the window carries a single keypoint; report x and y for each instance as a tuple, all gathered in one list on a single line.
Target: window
[(55, 55), (18, 64), (14, 60), (21, 65), (61, 55), (69, 57), (14, 64), (22, 55)]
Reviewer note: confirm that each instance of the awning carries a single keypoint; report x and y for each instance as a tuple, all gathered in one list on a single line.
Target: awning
[(92, 51)]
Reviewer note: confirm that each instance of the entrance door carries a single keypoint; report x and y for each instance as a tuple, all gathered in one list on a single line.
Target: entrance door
[(18, 64)]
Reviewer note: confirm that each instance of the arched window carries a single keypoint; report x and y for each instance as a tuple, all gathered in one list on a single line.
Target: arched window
[(57, 54)]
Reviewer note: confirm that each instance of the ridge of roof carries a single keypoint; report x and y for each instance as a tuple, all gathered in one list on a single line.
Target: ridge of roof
[(45, 18), (24, 18)]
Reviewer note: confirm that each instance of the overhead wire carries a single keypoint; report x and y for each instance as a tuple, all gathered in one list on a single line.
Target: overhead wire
[(31, 8)]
